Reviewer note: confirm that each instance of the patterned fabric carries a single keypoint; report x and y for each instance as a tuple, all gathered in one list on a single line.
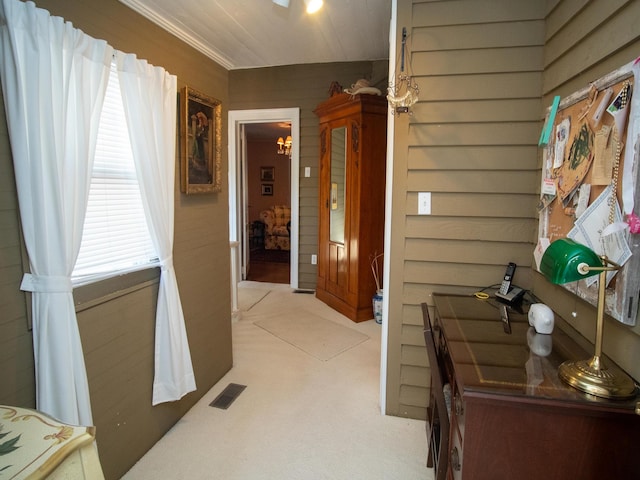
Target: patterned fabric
[(274, 242), (277, 221)]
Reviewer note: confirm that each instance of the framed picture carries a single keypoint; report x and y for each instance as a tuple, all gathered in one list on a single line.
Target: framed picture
[(267, 189), (267, 174), (200, 142)]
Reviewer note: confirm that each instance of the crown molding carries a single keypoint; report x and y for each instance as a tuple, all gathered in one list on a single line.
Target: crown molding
[(178, 32)]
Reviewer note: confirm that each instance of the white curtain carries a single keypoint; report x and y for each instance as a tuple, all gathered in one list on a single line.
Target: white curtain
[(149, 98), (54, 79)]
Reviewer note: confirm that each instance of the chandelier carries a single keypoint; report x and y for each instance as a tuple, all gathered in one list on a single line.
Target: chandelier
[(284, 146)]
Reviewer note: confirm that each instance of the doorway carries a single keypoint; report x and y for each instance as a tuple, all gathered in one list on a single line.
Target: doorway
[(268, 163), (239, 224)]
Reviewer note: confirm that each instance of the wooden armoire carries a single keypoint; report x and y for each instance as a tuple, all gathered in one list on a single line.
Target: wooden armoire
[(353, 131)]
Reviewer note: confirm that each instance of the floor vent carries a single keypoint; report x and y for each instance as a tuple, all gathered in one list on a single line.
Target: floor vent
[(227, 396), (301, 290)]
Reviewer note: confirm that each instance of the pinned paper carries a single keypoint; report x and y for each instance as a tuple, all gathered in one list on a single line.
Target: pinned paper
[(583, 199), (548, 187), (603, 157), (633, 134), (577, 165), (615, 227), (543, 244), (589, 229), (618, 108), (562, 137), (597, 115)]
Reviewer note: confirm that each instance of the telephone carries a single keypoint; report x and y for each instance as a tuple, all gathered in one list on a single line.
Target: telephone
[(507, 292)]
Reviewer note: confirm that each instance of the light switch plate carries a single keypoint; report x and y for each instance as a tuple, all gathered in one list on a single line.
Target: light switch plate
[(307, 172), (424, 203)]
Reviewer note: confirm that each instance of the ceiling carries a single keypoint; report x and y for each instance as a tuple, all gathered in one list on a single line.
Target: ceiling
[(267, 131), (241, 34)]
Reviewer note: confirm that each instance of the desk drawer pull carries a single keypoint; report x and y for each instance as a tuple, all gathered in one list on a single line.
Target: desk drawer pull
[(458, 405), (455, 459)]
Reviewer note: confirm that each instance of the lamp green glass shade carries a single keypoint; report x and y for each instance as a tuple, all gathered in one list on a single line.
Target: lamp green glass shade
[(566, 261), (562, 260)]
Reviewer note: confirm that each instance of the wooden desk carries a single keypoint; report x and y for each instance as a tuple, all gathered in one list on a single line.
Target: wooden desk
[(511, 417)]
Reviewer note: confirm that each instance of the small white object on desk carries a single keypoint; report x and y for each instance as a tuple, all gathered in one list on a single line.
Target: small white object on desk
[(541, 318)]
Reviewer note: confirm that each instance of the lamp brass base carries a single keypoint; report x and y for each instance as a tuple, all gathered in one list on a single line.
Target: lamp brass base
[(590, 376)]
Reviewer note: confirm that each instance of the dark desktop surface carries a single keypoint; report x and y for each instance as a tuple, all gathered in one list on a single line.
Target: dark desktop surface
[(497, 355)]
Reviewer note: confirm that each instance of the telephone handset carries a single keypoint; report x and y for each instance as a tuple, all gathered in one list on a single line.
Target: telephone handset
[(508, 277), (507, 292)]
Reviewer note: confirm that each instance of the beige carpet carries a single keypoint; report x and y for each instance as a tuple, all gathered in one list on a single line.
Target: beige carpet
[(298, 419), (317, 336), (248, 297)]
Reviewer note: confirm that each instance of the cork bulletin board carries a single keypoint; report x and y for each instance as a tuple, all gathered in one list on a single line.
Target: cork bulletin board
[(590, 156)]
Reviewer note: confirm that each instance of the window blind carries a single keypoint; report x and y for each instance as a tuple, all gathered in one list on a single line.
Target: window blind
[(115, 236)]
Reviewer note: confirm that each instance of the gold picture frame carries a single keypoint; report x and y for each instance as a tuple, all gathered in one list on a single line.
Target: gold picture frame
[(200, 142)]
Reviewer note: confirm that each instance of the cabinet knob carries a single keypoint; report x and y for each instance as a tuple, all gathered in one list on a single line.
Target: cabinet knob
[(458, 405), (455, 459)]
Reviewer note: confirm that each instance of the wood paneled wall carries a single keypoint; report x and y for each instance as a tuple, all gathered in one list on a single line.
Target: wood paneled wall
[(487, 71), (472, 143), (263, 153), (584, 41), (118, 334), (17, 384), (303, 87)]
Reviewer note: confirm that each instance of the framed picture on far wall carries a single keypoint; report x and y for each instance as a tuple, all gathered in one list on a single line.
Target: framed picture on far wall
[(267, 189), (267, 174), (200, 142)]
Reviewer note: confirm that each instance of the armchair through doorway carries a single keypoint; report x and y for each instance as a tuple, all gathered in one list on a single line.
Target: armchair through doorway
[(277, 230)]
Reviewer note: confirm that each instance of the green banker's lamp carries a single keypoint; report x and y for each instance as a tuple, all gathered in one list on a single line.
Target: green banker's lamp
[(567, 261)]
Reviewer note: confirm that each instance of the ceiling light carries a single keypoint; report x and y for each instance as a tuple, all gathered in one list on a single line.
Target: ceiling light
[(313, 5), (282, 3)]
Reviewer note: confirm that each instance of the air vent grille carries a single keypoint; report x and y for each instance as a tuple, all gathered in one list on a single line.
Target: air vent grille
[(227, 396)]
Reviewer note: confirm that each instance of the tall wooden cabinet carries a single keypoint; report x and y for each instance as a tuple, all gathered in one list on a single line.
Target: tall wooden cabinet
[(351, 195)]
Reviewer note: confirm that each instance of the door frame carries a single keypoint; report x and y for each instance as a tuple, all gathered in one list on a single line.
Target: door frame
[(238, 184)]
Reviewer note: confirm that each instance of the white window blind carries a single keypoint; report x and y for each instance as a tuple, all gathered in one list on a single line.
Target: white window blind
[(115, 238)]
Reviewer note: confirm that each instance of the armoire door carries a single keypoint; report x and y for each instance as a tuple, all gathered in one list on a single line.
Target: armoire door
[(335, 216)]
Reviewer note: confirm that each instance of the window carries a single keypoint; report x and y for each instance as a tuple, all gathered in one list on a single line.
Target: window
[(115, 238)]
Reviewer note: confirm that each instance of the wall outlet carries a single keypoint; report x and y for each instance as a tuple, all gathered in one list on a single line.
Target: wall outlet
[(314, 259)]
